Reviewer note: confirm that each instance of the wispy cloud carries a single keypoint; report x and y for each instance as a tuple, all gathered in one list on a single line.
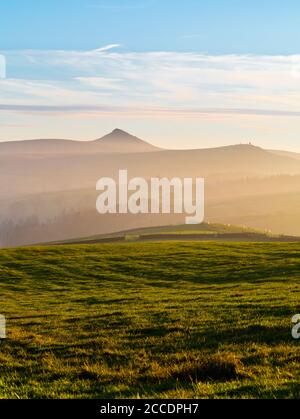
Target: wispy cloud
[(102, 83), (106, 48), (98, 110), (160, 82)]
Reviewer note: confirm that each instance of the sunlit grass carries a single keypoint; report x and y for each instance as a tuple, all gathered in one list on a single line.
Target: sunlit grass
[(206, 320)]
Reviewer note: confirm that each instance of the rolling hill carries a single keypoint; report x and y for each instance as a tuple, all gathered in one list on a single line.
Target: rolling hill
[(286, 154), (53, 180), (194, 233), (117, 141), (27, 173), (150, 320)]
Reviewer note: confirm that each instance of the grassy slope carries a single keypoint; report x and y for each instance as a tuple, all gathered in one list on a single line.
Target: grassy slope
[(201, 230), (150, 320)]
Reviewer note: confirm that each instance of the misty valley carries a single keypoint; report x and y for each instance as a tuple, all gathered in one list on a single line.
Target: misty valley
[(48, 189)]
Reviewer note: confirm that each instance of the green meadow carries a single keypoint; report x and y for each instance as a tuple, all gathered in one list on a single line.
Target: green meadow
[(150, 320)]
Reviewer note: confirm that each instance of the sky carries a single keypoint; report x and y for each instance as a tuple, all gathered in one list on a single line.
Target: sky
[(180, 74)]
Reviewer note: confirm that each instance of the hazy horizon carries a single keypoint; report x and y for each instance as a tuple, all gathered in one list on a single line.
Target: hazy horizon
[(149, 141)]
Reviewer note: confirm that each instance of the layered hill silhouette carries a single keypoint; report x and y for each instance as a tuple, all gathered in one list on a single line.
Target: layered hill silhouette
[(286, 154), (40, 166), (50, 180), (117, 141), (202, 232)]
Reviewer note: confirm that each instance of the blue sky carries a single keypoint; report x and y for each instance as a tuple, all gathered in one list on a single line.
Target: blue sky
[(181, 74), (214, 26)]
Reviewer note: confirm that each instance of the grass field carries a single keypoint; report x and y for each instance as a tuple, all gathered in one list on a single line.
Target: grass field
[(203, 320), (203, 232)]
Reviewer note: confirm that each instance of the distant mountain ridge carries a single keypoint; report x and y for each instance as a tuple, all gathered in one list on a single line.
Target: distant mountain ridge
[(48, 187), (40, 166), (121, 142), (118, 141), (286, 153)]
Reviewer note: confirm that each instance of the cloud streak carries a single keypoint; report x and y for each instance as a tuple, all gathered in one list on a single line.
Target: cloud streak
[(106, 48), (155, 82), (78, 109)]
